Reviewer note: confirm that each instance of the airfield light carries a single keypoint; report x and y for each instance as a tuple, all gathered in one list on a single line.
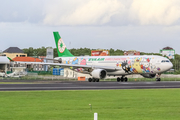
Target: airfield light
[(90, 106)]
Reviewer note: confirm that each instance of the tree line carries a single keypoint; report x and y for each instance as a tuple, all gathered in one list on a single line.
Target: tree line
[(87, 51), (81, 52)]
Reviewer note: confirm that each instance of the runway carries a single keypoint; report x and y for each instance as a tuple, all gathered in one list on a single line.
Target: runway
[(76, 85)]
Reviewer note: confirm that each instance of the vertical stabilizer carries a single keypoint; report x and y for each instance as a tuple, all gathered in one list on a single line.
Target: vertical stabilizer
[(61, 47)]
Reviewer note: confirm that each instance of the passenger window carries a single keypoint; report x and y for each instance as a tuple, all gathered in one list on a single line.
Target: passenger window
[(165, 61)]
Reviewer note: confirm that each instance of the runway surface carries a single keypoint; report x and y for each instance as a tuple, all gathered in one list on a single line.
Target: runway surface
[(88, 86)]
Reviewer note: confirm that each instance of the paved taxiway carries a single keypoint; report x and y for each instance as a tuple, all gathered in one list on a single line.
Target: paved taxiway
[(88, 86)]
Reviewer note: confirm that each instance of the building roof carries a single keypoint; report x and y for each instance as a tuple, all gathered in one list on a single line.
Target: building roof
[(13, 50), (27, 59), (167, 48)]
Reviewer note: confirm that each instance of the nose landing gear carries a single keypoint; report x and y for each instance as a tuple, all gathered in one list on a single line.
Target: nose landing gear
[(158, 77)]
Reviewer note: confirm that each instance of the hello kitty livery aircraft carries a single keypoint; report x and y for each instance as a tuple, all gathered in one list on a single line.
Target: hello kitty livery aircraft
[(101, 66)]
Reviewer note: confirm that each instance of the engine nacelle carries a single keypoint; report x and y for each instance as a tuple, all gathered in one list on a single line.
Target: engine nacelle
[(99, 73), (148, 75), (58, 60)]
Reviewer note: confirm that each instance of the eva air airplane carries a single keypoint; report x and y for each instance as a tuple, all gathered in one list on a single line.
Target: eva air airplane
[(101, 66)]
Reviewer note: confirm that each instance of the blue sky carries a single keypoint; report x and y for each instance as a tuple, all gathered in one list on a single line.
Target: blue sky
[(143, 25)]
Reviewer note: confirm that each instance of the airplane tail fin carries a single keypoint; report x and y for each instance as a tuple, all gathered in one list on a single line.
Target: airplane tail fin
[(61, 47), (10, 59)]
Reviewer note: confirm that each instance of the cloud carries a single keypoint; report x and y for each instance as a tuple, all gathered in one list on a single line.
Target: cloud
[(93, 12), (113, 12), (155, 12), (21, 11)]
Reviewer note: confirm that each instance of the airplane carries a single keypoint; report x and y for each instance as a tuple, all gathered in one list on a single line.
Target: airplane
[(99, 67)]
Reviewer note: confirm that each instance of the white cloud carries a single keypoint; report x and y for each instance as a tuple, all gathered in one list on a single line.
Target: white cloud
[(155, 12), (115, 12), (91, 12)]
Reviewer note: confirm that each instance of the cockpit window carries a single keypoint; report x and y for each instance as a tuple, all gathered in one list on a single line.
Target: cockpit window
[(165, 61)]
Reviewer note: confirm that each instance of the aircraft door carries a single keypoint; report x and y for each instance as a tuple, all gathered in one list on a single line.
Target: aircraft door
[(153, 61), (158, 61), (153, 65)]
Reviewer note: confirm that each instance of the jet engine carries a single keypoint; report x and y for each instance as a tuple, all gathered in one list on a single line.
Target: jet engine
[(99, 73), (58, 60), (148, 75)]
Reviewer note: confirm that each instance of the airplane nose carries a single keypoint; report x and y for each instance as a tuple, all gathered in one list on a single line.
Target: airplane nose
[(170, 65)]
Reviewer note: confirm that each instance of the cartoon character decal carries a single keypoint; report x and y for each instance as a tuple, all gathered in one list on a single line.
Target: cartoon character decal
[(129, 65), (126, 67), (67, 61), (83, 62), (158, 69), (75, 61), (117, 64), (145, 64), (136, 66)]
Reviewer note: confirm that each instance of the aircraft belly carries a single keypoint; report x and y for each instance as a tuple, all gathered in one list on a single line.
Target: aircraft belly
[(119, 72)]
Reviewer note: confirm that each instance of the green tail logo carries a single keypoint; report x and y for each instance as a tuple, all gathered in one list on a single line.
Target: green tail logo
[(61, 47)]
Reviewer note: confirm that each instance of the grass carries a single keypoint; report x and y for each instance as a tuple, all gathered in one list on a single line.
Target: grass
[(150, 104)]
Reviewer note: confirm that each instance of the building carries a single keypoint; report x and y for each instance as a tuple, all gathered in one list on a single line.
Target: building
[(168, 51), (13, 52), (50, 54), (131, 52), (35, 67), (27, 59), (100, 53)]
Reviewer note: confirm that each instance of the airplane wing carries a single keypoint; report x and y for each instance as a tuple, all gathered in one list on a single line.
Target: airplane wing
[(74, 65)]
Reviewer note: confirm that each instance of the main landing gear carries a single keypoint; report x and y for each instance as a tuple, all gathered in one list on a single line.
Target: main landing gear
[(122, 79), (158, 77), (93, 80)]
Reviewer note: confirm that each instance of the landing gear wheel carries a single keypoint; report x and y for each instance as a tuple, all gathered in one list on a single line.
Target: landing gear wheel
[(94, 80), (122, 79), (118, 79), (97, 80), (90, 79), (158, 79), (125, 79)]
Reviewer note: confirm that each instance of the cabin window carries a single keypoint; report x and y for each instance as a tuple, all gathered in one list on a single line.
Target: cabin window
[(163, 61)]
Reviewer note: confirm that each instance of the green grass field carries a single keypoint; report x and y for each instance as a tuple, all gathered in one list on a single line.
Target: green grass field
[(149, 104)]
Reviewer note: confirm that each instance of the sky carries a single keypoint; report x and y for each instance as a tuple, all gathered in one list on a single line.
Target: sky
[(142, 25)]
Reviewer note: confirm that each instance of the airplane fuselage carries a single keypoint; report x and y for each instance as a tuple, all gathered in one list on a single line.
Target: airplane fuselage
[(124, 65)]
